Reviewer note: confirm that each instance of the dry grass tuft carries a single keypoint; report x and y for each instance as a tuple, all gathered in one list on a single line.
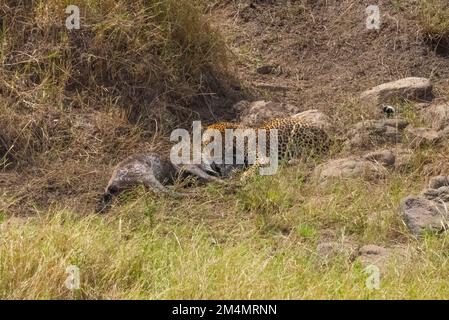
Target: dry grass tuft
[(433, 18), (74, 102), (151, 59)]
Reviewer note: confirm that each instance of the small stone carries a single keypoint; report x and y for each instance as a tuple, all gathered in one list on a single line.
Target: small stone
[(438, 182), (383, 157), (332, 249), (374, 255), (266, 69)]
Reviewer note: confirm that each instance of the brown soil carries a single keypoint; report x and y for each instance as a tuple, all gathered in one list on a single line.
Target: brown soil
[(324, 54)]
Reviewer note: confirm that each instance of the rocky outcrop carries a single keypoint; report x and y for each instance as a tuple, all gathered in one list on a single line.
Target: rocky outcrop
[(429, 210), (316, 118), (420, 137), (373, 133), (349, 168), (437, 116), (408, 88), (255, 113), (384, 157)]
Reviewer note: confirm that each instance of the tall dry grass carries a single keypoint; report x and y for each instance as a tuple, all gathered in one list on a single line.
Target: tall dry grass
[(147, 60), (433, 16)]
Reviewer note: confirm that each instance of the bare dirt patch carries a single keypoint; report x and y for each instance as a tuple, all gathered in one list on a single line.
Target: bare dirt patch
[(324, 53)]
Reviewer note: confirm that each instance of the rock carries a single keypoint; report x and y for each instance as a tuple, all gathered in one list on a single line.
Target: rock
[(422, 214), (266, 69), (372, 133), (348, 168), (373, 255), (429, 211), (383, 157), (421, 136), (437, 116), (315, 117), (329, 250), (438, 182), (408, 88), (439, 195), (438, 190), (255, 113)]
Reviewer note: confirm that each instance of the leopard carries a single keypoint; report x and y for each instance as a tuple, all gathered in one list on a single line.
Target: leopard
[(297, 138), (222, 169), (223, 125)]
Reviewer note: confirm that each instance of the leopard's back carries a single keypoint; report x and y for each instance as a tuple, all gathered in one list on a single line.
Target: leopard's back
[(297, 137)]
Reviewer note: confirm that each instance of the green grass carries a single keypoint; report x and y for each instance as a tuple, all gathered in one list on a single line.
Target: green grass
[(257, 242), (118, 259), (251, 241)]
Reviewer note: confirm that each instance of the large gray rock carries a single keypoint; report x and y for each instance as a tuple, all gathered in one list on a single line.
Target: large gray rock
[(372, 133), (255, 113), (437, 116), (383, 157), (316, 118), (421, 214), (420, 137), (408, 88), (348, 168), (439, 195)]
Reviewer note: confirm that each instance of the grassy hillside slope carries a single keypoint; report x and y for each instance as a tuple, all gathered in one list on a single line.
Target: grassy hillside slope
[(72, 104)]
